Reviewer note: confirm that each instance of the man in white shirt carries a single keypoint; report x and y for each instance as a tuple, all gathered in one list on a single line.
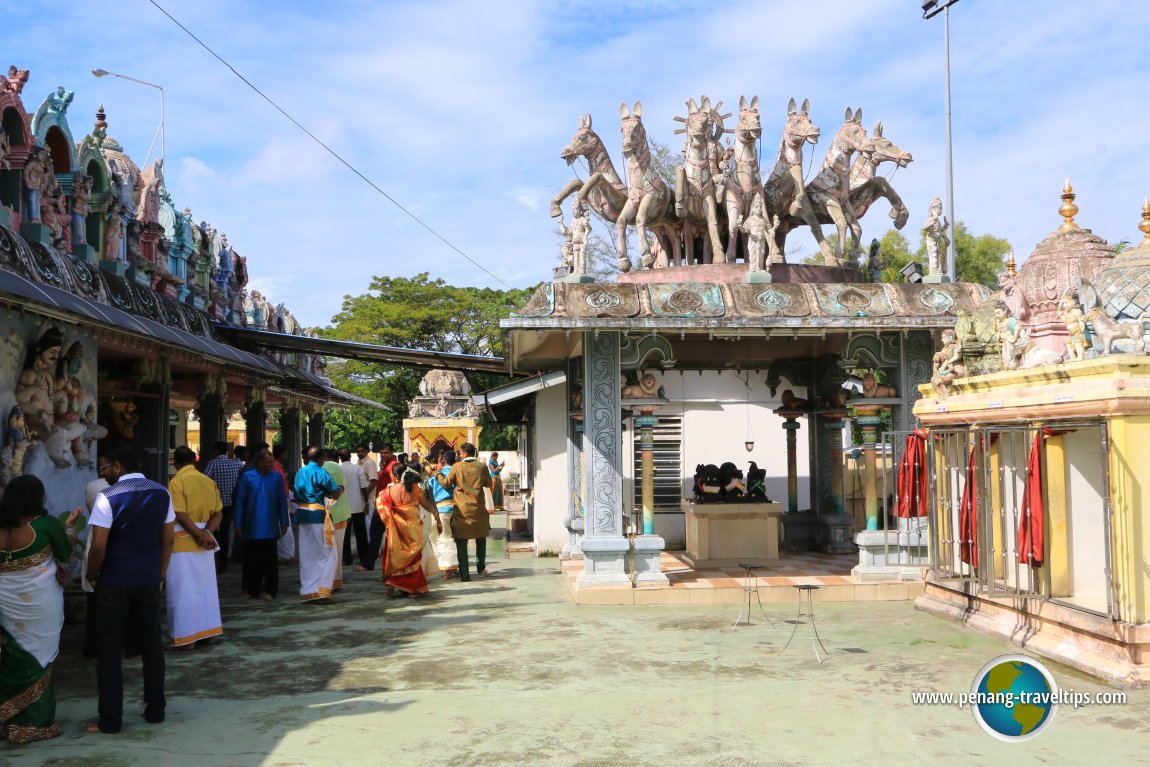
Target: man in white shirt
[(356, 494), (132, 536)]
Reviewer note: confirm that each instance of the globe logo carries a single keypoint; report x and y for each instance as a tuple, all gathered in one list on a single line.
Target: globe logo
[(1015, 698)]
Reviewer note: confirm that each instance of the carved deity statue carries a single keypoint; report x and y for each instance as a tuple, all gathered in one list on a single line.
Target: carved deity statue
[(5, 148), (947, 364), (36, 173), (1008, 330), (575, 246), (59, 101), (36, 384), (647, 388), (791, 402), (1071, 313), (872, 388), (81, 207), (15, 81), (114, 231), (935, 239), (759, 232)]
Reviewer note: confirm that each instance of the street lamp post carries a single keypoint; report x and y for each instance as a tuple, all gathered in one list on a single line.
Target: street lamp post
[(159, 131), (930, 9)]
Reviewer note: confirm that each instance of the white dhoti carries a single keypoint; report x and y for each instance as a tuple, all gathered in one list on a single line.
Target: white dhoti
[(429, 560), (445, 552), (337, 569), (317, 561), (193, 600)]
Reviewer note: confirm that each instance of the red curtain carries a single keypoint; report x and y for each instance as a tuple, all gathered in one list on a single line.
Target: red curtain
[(1033, 516), (912, 477), (968, 513)]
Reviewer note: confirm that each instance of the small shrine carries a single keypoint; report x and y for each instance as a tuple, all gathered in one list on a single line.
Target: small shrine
[(442, 417), (1032, 461)]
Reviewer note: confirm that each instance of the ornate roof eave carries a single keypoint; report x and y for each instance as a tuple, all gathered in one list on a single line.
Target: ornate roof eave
[(808, 308)]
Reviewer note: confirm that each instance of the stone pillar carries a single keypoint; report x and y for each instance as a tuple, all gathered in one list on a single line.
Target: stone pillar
[(646, 423), (869, 419), (604, 545), (255, 418), (315, 435), (152, 432), (210, 412), (290, 434), (834, 527), (792, 426)]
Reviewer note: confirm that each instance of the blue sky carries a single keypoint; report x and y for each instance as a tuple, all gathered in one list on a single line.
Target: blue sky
[(459, 110)]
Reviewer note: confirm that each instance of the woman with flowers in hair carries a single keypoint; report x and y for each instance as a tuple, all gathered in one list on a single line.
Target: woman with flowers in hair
[(398, 506)]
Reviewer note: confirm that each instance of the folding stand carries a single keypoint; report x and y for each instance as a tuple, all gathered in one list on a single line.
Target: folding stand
[(750, 586), (816, 642)]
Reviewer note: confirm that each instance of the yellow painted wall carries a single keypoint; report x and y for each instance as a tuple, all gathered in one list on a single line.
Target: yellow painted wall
[(1129, 495)]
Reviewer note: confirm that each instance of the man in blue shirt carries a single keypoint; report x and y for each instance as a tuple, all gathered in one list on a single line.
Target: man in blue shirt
[(132, 535), (224, 472), (261, 518), (318, 556)]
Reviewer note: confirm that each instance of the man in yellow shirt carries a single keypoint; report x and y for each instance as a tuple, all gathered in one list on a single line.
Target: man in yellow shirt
[(193, 602)]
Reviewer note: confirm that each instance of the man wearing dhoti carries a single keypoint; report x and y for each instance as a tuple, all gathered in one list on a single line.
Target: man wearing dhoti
[(193, 601), (340, 514), (318, 555)]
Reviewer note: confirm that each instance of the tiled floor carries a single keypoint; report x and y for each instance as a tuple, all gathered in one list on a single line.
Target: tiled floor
[(774, 582)]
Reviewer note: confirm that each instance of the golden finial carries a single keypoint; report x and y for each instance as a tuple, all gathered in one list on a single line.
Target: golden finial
[(1010, 265), (1068, 209), (1144, 227)]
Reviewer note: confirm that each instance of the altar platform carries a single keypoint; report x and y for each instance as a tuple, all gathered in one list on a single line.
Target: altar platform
[(776, 581)]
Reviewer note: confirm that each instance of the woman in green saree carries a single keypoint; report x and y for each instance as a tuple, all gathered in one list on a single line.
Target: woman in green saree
[(31, 611)]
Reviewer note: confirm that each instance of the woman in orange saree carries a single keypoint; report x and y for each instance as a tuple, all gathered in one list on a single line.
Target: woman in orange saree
[(398, 506)]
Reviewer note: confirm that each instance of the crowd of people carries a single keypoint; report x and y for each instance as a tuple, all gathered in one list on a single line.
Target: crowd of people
[(150, 545)]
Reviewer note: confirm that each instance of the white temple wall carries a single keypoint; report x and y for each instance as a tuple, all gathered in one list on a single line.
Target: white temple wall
[(552, 491)]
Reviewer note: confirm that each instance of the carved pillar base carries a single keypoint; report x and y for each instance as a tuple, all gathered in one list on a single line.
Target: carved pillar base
[(573, 549), (87, 254), (648, 567), (834, 533), (118, 268), (36, 232), (605, 561), (757, 278), (886, 555)]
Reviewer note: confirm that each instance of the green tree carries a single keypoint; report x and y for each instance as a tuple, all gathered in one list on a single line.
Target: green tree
[(415, 313), (979, 259)]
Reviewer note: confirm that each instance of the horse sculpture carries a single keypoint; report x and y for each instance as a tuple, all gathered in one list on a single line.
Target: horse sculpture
[(604, 191), (743, 180), (865, 187), (696, 202), (784, 191), (833, 185), (649, 201)]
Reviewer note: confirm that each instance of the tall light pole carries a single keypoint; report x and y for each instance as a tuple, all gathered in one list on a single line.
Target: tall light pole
[(930, 9), (160, 130)]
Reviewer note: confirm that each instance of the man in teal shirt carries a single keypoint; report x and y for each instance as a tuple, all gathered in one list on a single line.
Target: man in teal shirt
[(318, 556)]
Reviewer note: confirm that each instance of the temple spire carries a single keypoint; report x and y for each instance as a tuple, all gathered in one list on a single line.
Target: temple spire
[(1068, 209)]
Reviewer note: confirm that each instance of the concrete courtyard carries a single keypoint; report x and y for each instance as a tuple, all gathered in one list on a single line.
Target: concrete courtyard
[(506, 670)]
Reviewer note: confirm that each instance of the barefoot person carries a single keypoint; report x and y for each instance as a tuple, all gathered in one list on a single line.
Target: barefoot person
[(318, 556), (193, 599), (399, 507), (261, 518)]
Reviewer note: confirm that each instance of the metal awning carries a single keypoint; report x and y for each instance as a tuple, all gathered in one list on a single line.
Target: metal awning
[(502, 396), (365, 352), (55, 302)]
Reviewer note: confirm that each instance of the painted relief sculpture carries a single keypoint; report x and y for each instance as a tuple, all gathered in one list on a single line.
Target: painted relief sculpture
[(947, 364), (36, 384), (81, 207), (16, 444), (934, 236), (36, 172), (1071, 313)]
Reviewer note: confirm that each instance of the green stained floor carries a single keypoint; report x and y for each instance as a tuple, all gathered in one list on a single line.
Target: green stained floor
[(506, 671)]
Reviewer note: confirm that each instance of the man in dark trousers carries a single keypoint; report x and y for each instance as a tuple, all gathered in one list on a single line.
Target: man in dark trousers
[(470, 520), (132, 535)]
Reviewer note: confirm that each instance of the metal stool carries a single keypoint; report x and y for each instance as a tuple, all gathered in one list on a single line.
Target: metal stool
[(751, 587), (816, 642)]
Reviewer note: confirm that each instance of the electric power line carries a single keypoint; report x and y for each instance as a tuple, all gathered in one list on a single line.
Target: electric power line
[(330, 151)]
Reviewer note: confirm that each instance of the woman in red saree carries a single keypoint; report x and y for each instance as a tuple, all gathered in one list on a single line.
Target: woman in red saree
[(398, 506)]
